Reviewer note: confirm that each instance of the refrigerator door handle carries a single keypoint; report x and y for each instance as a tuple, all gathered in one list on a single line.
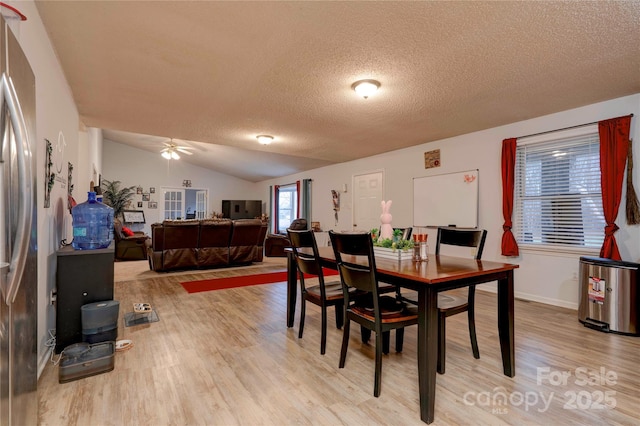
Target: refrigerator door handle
[(9, 98)]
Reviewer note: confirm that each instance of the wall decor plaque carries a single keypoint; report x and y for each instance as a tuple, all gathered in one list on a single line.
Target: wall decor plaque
[(432, 159)]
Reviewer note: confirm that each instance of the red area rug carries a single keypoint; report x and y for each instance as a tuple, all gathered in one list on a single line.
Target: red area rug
[(242, 281)]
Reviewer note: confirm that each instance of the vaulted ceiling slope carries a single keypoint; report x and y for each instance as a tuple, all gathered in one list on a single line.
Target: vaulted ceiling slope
[(216, 74)]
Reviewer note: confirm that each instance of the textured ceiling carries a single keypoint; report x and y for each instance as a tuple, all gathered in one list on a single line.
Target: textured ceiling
[(216, 74)]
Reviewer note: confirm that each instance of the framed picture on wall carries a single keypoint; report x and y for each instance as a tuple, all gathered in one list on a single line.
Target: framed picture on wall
[(153, 205), (146, 197), (133, 216), (152, 190), (139, 190), (139, 204)]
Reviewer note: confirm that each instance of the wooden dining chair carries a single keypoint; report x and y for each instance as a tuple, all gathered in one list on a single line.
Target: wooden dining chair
[(385, 287), (450, 303), (376, 312), (305, 250)]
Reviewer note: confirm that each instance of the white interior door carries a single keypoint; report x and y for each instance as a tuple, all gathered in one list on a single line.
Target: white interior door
[(367, 196), (201, 204), (173, 204)]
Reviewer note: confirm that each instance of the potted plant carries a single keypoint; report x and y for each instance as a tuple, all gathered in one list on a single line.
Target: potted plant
[(116, 197)]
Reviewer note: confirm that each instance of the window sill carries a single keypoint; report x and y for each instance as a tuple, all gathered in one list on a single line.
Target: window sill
[(569, 252)]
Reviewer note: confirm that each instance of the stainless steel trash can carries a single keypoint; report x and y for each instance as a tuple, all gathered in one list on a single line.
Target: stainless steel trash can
[(609, 297)]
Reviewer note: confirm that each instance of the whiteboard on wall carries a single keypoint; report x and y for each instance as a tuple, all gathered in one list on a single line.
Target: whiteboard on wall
[(449, 199)]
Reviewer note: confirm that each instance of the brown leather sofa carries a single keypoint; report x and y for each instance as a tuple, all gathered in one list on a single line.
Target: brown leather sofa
[(129, 247), (275, 244), (209, 243)]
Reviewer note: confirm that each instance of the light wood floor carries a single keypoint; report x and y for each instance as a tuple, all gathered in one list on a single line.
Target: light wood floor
[(227, 358)]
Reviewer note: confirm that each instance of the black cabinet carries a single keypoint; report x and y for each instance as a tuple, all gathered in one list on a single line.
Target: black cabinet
[(83, 276)]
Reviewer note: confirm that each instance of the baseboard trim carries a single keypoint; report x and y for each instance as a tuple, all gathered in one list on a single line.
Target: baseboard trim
[(535, 298)]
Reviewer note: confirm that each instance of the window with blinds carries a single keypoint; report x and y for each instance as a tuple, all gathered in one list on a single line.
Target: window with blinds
[(287, 203), (557, 195)]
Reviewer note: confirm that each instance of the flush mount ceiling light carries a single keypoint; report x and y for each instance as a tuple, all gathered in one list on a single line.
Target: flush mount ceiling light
[(365, 88), (264, 139)]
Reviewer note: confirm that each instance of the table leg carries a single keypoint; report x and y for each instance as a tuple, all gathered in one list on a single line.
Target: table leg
[(292, 288), (505, 324), (427, 351)]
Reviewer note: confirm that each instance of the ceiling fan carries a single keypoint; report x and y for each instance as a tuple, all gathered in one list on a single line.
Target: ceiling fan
[(171, 149)]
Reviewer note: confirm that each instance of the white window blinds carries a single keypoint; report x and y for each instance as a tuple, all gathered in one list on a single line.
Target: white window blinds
[(558, 200)]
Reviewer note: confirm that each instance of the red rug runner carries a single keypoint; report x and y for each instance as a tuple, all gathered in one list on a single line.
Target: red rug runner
[(242, 281)]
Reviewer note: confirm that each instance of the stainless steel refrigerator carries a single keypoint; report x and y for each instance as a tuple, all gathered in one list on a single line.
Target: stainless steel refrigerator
[(18, 236)]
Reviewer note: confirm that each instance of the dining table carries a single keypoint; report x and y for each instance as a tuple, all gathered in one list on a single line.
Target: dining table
[(428, 278)]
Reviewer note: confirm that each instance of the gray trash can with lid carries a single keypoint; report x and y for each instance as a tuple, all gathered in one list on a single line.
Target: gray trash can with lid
[(609, 296)]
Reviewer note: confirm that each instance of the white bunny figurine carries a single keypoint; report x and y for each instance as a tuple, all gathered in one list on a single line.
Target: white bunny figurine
[(386, 231)]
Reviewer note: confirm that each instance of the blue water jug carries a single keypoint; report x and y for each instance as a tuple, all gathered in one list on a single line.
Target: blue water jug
[(92, 224)]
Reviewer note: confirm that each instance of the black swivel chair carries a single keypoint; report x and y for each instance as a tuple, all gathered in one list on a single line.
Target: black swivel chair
[(449, 303), (373, 311)]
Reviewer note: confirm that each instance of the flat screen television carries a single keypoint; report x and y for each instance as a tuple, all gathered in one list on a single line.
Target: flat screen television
[(241, 209)]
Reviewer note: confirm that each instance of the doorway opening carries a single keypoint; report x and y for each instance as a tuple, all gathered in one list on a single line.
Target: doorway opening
[(184, 203)]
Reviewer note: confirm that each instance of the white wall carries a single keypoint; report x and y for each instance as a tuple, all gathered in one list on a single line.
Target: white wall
[(546, 277), (133, 167), (56, 114)]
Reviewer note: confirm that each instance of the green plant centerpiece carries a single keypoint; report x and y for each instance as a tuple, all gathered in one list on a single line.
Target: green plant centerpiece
[(395, 243), (115, 197)]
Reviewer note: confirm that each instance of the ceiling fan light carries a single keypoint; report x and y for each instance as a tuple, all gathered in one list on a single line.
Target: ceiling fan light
[(175, 155), (264, 139), (166, 155), (365, 88)]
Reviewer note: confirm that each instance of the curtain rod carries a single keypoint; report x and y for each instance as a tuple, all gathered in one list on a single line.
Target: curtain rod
[(566, 128)]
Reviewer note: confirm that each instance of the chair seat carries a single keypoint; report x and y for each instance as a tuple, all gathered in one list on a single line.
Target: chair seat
[(450, 301), (333, 291), (386, 288), (391, 310)]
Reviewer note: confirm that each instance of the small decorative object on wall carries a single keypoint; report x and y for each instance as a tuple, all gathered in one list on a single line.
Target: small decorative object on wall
[(70, 185), (186, 183), (336, 204), (60, 153), (139, 204), (146, 197), (153, 205), (432, 159), (139, 190), (49, 176), (152, 190)]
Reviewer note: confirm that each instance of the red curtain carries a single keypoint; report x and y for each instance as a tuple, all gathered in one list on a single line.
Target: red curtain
[(614, 143), (509, 244), (276, 208), (299, 198)]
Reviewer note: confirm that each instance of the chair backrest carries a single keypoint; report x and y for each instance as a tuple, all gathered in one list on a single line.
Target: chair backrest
[(117, 229), (298, 224), (356, 263), (463, 238), (305, 250), (245, 232), (214, 233), (181, 234)]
